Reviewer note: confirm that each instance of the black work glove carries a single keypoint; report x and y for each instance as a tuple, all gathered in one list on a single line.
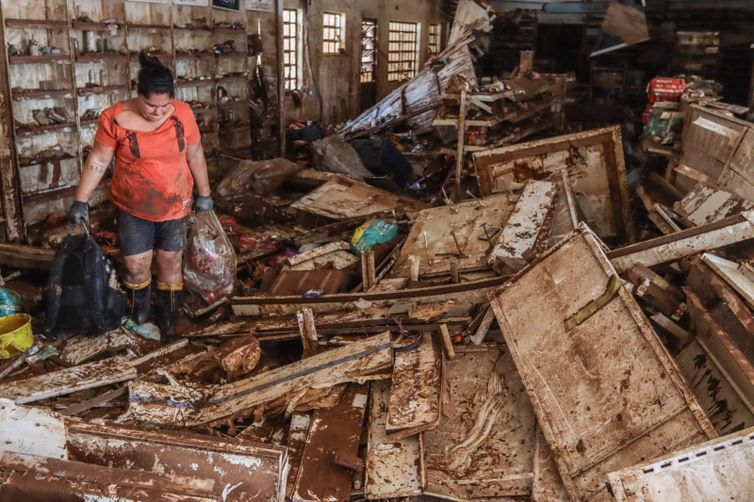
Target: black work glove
[(203, 203), (79, 213)]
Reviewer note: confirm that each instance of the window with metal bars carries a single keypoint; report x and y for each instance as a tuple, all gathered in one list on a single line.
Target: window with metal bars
[(433, 44), (290, 49), (368, 50), (333, 32), (403, 50)]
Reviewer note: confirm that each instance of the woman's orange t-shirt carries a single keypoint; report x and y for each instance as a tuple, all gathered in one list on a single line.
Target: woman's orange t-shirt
[(152, 179)]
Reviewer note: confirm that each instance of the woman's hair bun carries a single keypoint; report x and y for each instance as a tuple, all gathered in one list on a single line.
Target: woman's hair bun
[(146, 60)]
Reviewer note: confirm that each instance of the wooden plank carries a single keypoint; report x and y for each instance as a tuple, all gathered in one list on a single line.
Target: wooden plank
[(334, 431), (341, 198), (415, 390), (719, 469), (527, 224), (69, 380), (594, 163), (484, 327), (241, 470), (472, 223), (484, 444), (606, 393), (297, 434), (739, 276), (161, 404), (724, 405), (394, 467), (447, 343), (705, 204), (565, 213), (83, 348), (460, 141), (685, 243)]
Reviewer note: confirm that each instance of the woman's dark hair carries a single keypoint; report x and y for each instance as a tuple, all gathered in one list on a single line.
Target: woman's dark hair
[(154, 78)]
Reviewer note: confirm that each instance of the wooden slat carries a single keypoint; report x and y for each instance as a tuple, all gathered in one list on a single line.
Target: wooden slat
[(394, 467), (606, 393), (333, 432)]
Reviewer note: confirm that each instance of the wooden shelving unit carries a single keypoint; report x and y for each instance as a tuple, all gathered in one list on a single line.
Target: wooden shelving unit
[(89, 78)]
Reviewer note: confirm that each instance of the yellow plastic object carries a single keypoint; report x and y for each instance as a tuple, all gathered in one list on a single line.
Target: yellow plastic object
[(15, 335)]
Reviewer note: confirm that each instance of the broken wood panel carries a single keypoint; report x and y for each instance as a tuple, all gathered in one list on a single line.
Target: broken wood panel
[(35, 431), (521, 236), (415, 389), (333, 432), (192, 405), (723, 404), (298, 282), (726, 307), (668, 248), (342, 198), (715, 470), (606, 392), (484, 444), (739, 371), (594, 163), (317, 253), (705, 204), (69, 380), (241, 470), (457, 232), (739, 276), (82, 348), (394, 467), (718, 146), (43, 478)]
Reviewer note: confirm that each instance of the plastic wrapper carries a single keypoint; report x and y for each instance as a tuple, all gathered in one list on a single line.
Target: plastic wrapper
[(261, 177), (333, 154), (373, 233), (209, 267)]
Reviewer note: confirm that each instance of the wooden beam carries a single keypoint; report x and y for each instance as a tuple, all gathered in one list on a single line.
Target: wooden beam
[(673, 247)]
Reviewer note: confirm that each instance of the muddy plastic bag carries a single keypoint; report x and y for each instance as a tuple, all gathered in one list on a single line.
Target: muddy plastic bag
[(209, 267)]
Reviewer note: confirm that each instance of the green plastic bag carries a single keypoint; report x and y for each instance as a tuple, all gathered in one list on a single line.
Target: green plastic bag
[(373, 233)]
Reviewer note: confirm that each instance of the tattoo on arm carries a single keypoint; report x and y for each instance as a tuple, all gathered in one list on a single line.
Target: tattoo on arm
[(97, 167)]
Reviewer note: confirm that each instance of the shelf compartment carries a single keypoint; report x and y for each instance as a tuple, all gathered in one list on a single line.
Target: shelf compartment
[(94, 26), (194, 82)]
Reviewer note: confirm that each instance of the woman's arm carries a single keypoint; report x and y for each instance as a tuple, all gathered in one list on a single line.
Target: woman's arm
[(198, 166), (94, 169)]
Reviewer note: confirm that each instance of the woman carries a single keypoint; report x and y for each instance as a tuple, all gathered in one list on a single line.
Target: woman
[(158, 158)]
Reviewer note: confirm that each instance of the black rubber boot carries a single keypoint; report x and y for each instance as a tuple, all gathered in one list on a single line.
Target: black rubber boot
[(139, 304), (168, 303)]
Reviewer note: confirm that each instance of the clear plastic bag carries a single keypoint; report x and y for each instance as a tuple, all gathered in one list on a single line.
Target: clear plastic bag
[(209, 267)]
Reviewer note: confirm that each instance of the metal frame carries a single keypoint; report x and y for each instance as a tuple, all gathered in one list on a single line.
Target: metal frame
[(403, 50)]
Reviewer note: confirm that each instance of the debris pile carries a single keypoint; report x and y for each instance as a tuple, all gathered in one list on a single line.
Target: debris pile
[(536, 331)]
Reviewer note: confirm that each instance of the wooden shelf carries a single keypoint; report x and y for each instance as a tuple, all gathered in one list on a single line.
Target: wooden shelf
[(219, 29), (41, 94), (44, 24), (195, 82), (54, 193), (228, 78), (31, 130), (194, 55), (100, 89), (63, 58), (233, 54), (138, 26), (235, 128), (94, 26), (89, 122), (192, 28), (28, 163), (99, 56)]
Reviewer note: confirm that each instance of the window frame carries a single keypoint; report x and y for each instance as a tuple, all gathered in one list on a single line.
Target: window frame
[(403, 41), (292, 55), (332, 46), (369, 75), (433, 39)]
